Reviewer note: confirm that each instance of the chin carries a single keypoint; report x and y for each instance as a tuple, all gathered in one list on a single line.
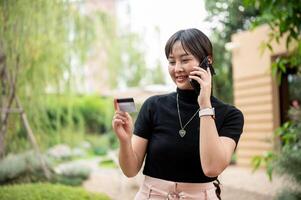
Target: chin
[(185, 86)]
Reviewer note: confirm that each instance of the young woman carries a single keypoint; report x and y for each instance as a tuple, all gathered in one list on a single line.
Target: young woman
[(186, 137)]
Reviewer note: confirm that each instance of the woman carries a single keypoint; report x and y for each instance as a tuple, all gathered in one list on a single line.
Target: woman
[(186, 137)]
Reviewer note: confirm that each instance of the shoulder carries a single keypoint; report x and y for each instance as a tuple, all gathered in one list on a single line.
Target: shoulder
[(229, 119), (232, 110), (150, 110), (162, 98), (226, 110)]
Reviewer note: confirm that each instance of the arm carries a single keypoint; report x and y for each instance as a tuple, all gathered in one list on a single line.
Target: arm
[(131, 155), (132, 148), (215, 151)]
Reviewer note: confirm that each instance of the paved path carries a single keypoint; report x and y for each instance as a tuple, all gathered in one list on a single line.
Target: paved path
[(237, 183)]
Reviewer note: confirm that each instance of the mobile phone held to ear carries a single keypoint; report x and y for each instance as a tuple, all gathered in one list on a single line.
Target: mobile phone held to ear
[(125, 104), (204, 64)]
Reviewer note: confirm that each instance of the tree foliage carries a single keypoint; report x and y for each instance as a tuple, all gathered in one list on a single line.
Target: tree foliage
[(43, 45), (39, 41), (288, 160), (43, 48), (126, 57), (284, 19), (232, 16)]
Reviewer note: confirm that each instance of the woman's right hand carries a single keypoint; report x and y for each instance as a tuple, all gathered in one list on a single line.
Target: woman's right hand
[(122, 124)]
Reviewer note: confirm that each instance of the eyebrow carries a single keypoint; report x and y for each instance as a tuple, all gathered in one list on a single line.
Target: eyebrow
[(182, 55)]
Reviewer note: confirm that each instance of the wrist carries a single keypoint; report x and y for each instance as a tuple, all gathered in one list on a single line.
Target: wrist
[(125, 143), (205, 105), (207, 112)]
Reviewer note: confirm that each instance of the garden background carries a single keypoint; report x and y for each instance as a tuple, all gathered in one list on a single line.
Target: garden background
[(63, 61)]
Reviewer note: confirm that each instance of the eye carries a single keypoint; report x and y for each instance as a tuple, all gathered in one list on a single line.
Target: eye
[(185, 60), (171, 62)]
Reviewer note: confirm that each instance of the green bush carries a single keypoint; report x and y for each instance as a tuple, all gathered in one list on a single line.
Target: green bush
[(289, 195), (107, 163), (93, 113), (73, 176), (71, 181), (97, 113), (47, 192), (24, 167), (76, 171), (286, 161), (76, 115), (101, 144)]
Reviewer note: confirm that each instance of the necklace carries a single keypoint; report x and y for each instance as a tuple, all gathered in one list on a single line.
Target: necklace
[(182, 131)]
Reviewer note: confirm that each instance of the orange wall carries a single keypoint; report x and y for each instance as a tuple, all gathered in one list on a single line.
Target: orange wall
[(255, 91)]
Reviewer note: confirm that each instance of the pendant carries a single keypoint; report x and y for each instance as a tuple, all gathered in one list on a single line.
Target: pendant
[(182, 132)]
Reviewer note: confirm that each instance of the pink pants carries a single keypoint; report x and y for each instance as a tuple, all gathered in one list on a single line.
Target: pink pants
[(158, 189)]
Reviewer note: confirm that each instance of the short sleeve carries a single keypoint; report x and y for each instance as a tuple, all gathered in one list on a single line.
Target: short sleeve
[(144, 123), (233, 124)]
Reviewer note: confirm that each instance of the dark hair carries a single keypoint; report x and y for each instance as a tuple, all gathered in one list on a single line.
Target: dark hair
[(193, 41)]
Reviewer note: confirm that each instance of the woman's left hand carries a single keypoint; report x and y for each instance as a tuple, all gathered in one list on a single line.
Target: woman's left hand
[(203, 77)]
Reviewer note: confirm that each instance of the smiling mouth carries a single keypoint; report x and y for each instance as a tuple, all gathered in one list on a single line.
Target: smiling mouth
[(181, 78)]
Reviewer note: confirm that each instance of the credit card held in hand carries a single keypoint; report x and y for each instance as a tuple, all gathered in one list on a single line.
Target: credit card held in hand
[(125, 104)]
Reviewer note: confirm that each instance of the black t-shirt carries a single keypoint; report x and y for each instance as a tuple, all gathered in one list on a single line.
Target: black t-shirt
[(170, 156)]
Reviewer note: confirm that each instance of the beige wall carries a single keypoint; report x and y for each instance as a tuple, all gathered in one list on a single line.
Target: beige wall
[(255, 91)]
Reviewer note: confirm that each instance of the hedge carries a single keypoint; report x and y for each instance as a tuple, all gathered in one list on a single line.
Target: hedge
[(45, 191)]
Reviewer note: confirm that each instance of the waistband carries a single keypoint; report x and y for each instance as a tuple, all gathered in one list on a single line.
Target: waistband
[(178, 186), (176, 190)]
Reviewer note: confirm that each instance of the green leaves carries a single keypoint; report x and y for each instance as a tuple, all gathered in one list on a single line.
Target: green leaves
[(283, 17), (267, 160), (45, 44), (233, 16), (279, 67)]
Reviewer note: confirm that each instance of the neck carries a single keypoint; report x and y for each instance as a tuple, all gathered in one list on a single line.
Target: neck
[(189, 96)]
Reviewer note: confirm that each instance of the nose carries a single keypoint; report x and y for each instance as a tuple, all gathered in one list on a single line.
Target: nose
[(178, 67)]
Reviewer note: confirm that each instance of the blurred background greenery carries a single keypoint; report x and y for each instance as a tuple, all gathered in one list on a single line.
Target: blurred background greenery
[(45, 48)]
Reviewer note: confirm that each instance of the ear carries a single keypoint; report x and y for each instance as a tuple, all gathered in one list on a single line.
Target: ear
[(210, 59)]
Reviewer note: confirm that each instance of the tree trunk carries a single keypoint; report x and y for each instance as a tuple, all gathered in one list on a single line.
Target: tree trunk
[(2, 145), (32, 139)]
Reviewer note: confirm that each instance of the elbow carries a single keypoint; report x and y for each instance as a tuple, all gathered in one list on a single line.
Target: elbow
[(212, 171), (130, 174)]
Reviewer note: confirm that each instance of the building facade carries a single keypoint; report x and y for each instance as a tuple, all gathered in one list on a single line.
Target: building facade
[(256, 92)]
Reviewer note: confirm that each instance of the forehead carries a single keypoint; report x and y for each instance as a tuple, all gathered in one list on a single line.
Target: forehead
[(178, 50)]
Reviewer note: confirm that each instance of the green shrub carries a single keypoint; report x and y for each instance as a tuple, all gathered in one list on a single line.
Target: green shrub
[(16, 140), (97, 113), (76, 171), (107, 163), (289, 195), (100, 151), (286, 161), (71, 181), (92, 113), (100, 144), (24, 167), (75, 115), (73, 175), (47, 192)]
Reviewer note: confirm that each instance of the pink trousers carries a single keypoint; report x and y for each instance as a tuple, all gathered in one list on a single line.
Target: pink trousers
[(158, 189)]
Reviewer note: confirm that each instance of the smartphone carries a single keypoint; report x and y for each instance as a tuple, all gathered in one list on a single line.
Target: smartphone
[(125, 104), (204, 64)]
